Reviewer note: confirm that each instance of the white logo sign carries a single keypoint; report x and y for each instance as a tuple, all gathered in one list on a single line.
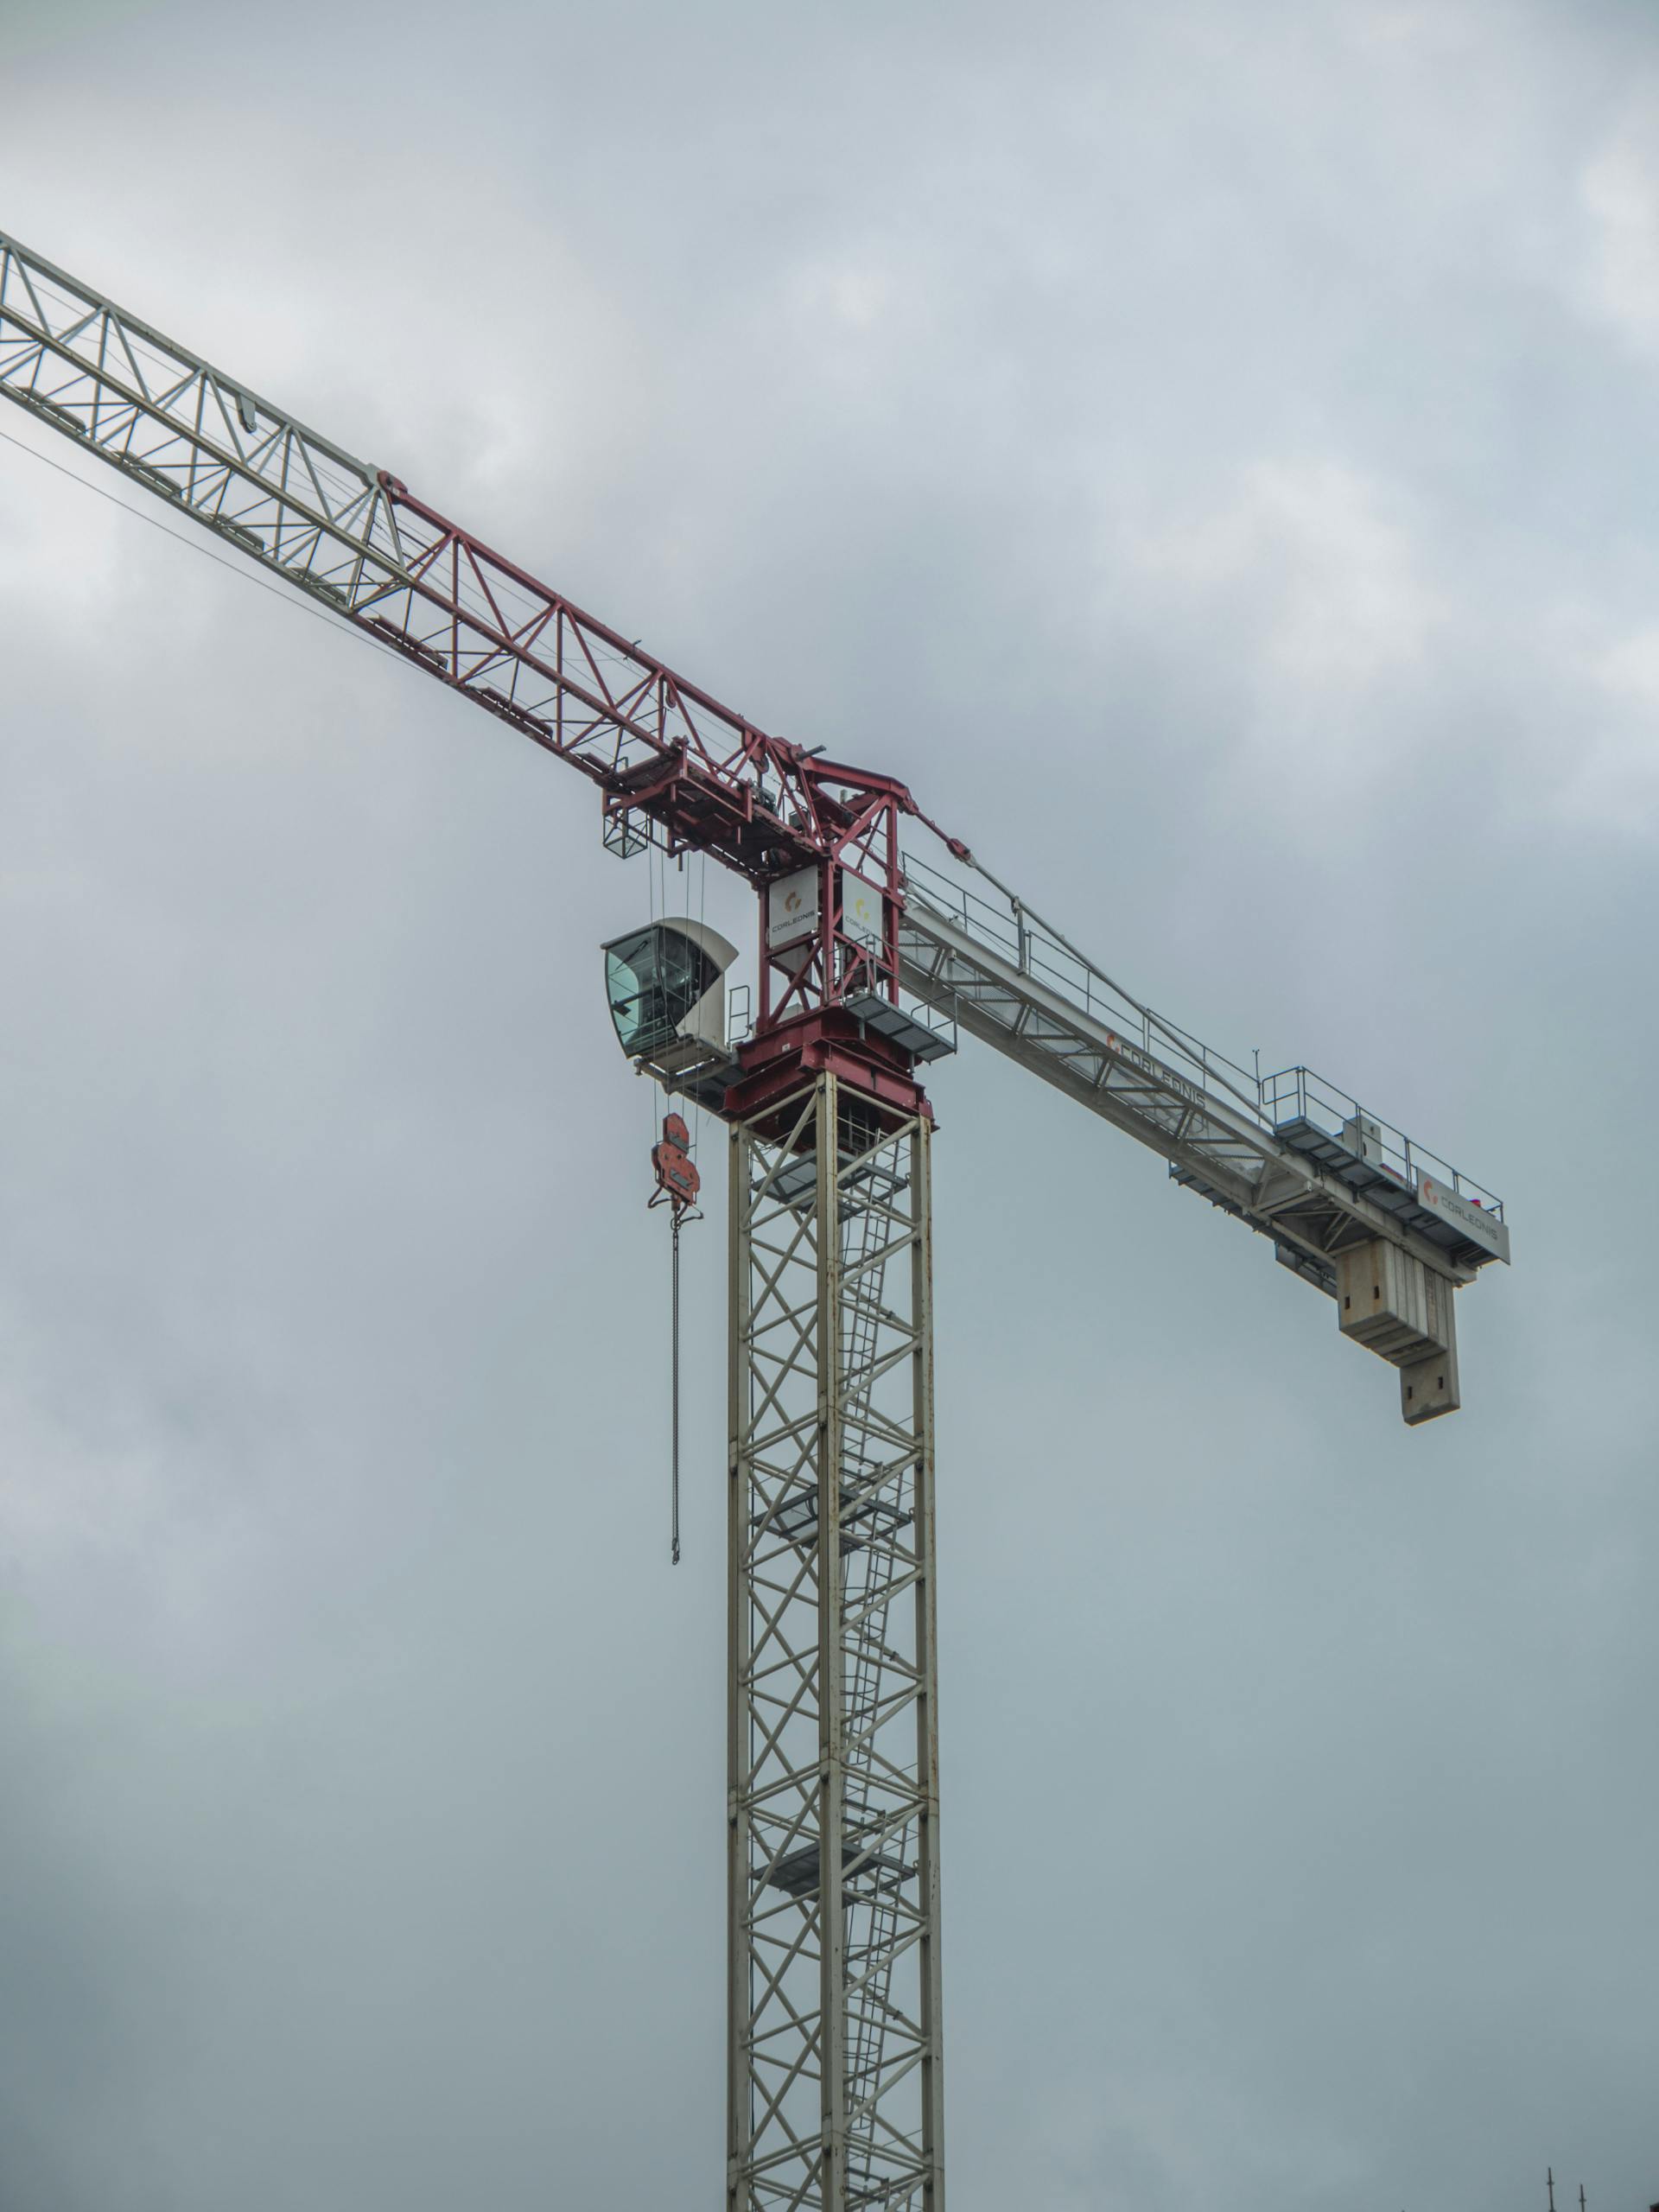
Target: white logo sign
[(792, 907), (1477, 1225)]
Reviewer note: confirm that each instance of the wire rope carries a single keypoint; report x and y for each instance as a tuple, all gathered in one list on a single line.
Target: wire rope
[(674, 1453), (291, 595)]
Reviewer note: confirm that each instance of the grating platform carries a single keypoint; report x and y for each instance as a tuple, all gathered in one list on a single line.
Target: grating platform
[(1459, 1226)]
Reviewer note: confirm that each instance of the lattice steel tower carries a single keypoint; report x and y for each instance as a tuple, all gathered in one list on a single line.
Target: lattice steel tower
[(834, 2060)]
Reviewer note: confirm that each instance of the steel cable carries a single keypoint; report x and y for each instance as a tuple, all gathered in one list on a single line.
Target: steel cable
[(674, 1387)]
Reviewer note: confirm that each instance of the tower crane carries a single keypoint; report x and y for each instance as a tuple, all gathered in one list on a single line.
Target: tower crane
[(880, 938)]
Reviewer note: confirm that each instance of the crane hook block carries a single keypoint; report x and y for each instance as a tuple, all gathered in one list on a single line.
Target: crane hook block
[(678, 1180)]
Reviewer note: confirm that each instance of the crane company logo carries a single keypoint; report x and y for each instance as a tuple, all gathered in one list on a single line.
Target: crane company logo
[(1166, 1078), (1480, 1226), (861, 910), (792, 907)]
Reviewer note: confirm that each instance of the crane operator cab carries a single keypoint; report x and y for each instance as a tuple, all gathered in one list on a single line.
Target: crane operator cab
[(666, 989)]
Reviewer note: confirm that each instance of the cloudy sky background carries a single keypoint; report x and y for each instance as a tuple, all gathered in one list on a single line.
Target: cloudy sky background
[(1211, 454)]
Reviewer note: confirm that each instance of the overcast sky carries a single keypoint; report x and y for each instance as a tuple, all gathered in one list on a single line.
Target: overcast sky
[(1210, 452)]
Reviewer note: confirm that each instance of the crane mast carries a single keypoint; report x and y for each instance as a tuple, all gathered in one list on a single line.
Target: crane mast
[(835, 2060), (873, 954)]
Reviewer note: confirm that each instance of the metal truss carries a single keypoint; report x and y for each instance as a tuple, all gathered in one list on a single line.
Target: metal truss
[(356, 538), (834, 2057)]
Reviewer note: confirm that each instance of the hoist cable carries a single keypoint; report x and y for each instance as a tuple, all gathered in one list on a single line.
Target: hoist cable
[(289, 593), (674, 1460)]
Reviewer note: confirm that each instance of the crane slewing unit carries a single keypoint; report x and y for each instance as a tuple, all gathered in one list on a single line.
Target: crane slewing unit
[(873, 956)]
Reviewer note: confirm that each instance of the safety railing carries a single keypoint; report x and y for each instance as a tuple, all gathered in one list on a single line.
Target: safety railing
[(740, 1016), (1299, 1095), (1005, 926)]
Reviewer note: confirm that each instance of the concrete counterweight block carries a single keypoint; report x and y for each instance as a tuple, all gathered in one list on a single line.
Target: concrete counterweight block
[(1392, 1303), (1429, 1387)]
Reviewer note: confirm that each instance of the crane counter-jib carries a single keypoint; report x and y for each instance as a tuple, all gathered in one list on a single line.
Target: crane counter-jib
[(1351, 1205), (1006, 928)]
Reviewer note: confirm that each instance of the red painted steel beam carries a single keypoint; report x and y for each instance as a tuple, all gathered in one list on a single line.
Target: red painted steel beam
[(357, 539), (487, 627)]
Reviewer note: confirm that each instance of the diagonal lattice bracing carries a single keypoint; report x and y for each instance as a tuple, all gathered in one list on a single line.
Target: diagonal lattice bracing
[(356, 538), (835, 2058)]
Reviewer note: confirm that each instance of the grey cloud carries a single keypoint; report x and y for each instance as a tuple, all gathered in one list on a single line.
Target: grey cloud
[(1207, 455)]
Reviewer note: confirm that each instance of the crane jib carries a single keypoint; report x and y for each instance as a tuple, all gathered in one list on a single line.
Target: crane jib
[(357, 539)]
